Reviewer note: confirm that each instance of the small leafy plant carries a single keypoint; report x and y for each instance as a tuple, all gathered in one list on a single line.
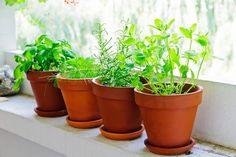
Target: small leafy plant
[(79, 68), (116, 62), (163, 60), (44, 55)]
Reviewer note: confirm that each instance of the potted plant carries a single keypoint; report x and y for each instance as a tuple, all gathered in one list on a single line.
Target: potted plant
[(75, 84), (168, 104), (40, 61), (115, 96)]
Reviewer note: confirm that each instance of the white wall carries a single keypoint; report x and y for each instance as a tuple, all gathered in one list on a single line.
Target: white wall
[(14, 146), (7, 30), (216, 118)]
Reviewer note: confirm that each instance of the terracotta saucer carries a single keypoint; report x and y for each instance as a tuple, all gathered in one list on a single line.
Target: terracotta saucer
[(121, 136), (169, 151), (51, 113), (84, 125)]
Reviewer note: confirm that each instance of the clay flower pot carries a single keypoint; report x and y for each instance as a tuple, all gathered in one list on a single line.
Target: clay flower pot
[(121, 116), (49, 99), (80, 103), (169, 120)]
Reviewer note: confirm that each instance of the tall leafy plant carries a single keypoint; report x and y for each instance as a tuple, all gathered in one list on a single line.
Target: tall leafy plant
[(115, 59), (79, 68), (43, 55), (163, 55)]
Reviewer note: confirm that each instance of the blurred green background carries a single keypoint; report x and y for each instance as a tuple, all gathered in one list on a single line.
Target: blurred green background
[(76, 23)]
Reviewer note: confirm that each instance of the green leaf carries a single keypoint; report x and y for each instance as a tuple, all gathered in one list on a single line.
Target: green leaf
[(130, 65), (202, 40), (122, 66), (17, 84), (186, 32), (68, 53), (167, 66), (161, 76), (206, 53), (27, 66), (27, 54), (136, 82), (66, 45), (160, 51), (149, 39), (48, 42), (121, 57), (193, 27), (18, 58), (129, 41), (184, 71), (40, 39), (174, 56), (139, 58), (174, 38), (170, 23), (159, 24), (57, 55), (147, 71), (192, 55), (14, 2), (18, 71), (161, 36), (132, 29), (36, 67), (18, 2)]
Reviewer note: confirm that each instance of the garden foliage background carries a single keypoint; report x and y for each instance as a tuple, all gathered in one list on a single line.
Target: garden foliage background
[(76, 23)]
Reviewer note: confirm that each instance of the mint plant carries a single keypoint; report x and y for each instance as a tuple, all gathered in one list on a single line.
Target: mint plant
[(43, 55), (115, 60), (163, 61), (79, 68)]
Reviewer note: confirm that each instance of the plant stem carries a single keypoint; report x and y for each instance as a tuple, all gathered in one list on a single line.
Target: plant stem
[(200, 67), (171, 72), (184, 80)]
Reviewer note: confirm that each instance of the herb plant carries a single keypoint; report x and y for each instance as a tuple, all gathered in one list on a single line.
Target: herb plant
[(162, 56), (44, 55), (116, 59), (79, 68)]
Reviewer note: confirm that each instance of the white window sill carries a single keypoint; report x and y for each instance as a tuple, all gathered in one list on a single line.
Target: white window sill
[(17, 116), (216, 115)]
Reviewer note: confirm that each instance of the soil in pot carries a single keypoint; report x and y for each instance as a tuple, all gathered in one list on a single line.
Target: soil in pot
[(80, 103), (169, 120), (119, 112), (49, 99)]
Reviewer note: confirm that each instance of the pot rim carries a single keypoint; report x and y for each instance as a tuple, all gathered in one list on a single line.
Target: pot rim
[(39, 76), (52, 71), (96, 79), (58, 76), (200, 89), (74, 84)]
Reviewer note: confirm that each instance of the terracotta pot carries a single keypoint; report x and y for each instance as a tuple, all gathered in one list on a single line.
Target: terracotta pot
[(49, 99), (80, 101), (117, 107), (169, 120)]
